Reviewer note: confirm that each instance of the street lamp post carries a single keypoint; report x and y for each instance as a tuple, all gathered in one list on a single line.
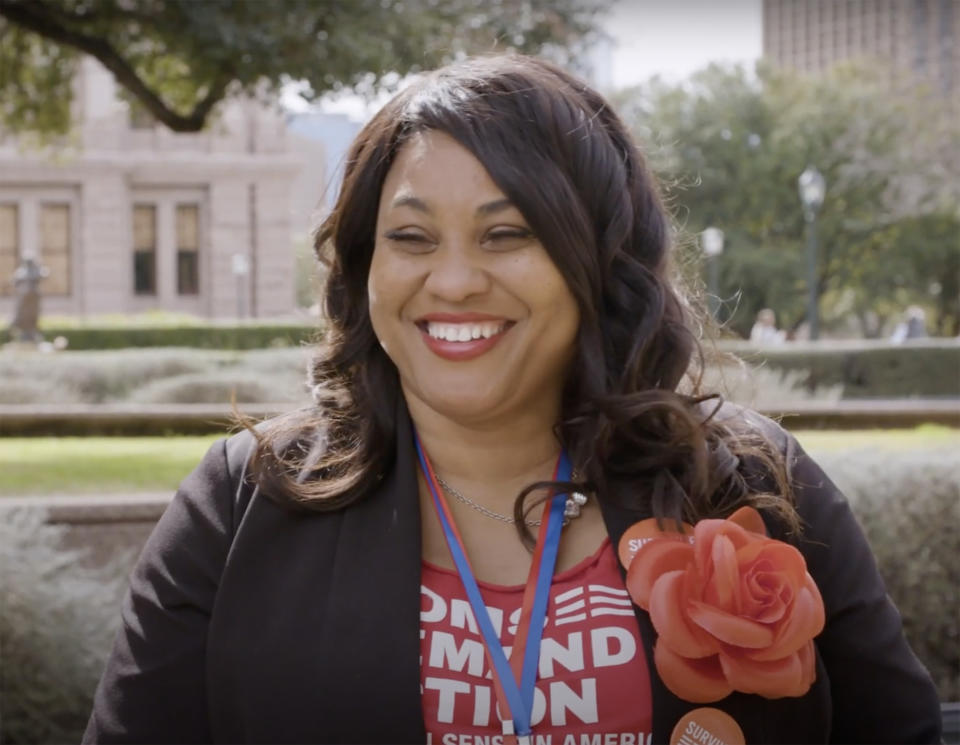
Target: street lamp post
[(711, 240), (241, 268), (812, 188)]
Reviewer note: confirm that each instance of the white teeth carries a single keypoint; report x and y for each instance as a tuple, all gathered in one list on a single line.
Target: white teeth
[(464, 331)]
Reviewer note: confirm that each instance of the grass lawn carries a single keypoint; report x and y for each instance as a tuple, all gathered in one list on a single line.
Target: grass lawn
[(90, 465), (922, 437)]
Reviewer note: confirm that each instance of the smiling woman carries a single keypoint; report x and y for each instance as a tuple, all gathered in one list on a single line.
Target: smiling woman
[(506, 353)]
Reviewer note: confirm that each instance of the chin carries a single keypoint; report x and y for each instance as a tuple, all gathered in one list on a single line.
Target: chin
[(458, 402), (462, 408)]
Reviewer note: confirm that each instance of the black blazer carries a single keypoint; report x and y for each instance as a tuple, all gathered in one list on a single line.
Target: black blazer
[(247, 622)]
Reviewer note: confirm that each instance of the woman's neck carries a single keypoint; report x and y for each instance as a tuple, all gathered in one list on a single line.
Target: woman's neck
[(523, 449)]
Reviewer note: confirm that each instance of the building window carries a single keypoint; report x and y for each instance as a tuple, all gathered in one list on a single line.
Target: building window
[(168, 240), (55, 247), (9, 247), (188, 249), (144, 249)]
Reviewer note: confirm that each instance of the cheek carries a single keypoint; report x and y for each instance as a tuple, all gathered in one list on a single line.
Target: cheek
[(375, 292), (387, 291), (561, 310), (546, 292), (389, 281)]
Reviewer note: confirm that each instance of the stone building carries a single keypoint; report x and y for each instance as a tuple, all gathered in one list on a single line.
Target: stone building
[(130, 217), (913, 40)]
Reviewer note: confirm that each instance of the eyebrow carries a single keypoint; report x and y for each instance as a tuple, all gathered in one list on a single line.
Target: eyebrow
[(490, 208)]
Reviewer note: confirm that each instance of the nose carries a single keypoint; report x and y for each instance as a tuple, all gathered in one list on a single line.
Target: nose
[(456, 274)]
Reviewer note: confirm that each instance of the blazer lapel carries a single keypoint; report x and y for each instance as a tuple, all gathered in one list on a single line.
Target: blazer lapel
[(375, 622)]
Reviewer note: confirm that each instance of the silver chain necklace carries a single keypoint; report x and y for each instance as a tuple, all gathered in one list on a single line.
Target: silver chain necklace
[(570, 511)]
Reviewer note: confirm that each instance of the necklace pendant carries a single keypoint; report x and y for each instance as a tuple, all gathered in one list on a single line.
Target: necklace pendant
[(574, 502)]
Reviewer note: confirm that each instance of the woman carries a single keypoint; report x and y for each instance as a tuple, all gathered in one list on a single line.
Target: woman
[(504, 348)]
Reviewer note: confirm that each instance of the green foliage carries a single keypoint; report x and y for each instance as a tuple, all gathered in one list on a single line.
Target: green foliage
[(218, 389), (765, 387), (909, 506), (200, 335), (178, 58), (730, 145), (59, 618), (772, 376), (867, 370), (923, 437), (35, 81), (97, 465)]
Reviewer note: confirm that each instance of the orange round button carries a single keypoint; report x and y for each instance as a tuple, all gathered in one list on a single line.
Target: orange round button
[(639, 533), (707, 726)]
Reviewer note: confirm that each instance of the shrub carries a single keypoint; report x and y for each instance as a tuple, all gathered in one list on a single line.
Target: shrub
[(58, 622), (908, 503), (205, 336), (220, 388), (184, 375), (865, 369), (760, 387), (33, 391), (94, 377), (145, 375)]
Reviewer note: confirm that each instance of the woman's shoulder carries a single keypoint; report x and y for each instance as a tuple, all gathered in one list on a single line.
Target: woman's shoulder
[(298, 430), (810, 491), (741, 420), (218, 489)]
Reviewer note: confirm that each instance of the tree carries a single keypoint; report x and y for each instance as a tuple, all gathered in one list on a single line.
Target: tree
[(729, 145), (179, 58)]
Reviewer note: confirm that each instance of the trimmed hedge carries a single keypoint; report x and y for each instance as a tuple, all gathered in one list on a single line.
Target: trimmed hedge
[(922, 369), (212, 336), (160, 375), (862, 369), (58, 622), (908, 504)]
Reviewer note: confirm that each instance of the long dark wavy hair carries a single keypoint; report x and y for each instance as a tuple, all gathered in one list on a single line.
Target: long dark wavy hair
[(565, 159)]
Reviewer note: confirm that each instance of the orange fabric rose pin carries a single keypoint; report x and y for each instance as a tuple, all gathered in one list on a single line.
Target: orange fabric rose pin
[(734, 610)]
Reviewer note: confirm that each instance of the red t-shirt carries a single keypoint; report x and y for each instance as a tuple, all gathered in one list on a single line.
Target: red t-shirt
[(593, 686)]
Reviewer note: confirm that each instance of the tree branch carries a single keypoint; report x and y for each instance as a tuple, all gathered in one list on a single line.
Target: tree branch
[(33, 17)]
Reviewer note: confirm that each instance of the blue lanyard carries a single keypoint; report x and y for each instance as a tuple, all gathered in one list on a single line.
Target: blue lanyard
[(519, 698)]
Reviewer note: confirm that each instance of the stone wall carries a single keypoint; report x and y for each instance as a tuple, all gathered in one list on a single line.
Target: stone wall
[(103, 526)]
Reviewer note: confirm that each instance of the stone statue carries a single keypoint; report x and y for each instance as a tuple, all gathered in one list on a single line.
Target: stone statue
[(26, 314)]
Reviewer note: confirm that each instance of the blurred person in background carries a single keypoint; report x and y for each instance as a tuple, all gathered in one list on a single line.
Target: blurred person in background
[(765, 331), (913, 325), (509, 513)]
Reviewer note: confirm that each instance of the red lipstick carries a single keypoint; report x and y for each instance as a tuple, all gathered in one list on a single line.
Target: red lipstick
[(458, 351)]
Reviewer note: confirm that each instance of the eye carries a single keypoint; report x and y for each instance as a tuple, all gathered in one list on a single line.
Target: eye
[(506, 239), (410, 240)]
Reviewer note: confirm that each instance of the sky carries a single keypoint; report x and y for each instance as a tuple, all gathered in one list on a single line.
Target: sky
[(670, 38), (675, 38)]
